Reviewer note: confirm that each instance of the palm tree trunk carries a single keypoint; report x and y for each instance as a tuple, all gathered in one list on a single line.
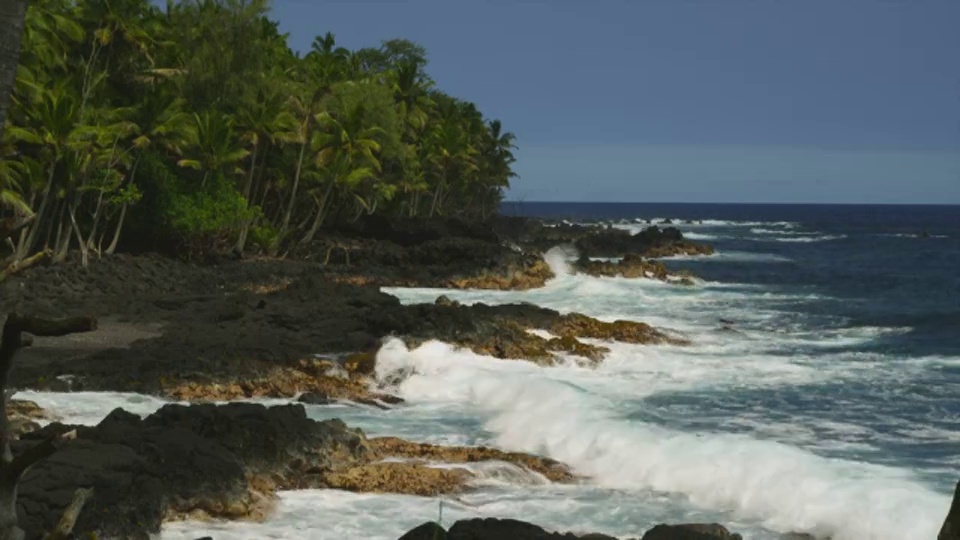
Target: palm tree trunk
[(116, 233), (12, 15), (28, 238), (245, 229), (84, 250), (436, 200), (46, 241), (62, 246), (321, 213), (293, 192), (97, 213)]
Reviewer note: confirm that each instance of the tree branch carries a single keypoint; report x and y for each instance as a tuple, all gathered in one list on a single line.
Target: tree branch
[(52, 327), (70, 514), (33, 260)]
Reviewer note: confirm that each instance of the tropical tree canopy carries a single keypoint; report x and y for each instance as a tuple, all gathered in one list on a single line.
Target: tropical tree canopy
[(195, 126)]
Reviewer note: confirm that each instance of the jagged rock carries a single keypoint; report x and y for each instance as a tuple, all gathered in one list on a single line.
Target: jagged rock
[(651, 242), (631, 266), (399, 448), (691, 531), (394, 477), (23, 416), (315, 398), (500, 529), (951, 525), (208, 461), (444, 300), (196, 461), (433, 253), (427, 531), (576, 324)]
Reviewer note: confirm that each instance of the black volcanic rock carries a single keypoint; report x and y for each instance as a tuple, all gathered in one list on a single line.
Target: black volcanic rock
[(180, 460), (691, 531)]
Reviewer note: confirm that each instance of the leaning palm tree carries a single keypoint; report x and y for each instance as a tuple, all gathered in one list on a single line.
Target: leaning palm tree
[(296, 127), (347, 152)]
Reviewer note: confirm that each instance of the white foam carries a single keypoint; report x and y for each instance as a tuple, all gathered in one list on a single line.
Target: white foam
[(804, 239), (700, 236), (729, 256), (89, 408), (779, 486), (912, 235), (782, 232)]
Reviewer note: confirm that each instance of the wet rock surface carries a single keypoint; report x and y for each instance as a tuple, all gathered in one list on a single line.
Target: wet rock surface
[(631, 266), (24, 416), (308, 326), (498, 529), (693, 531), (226, 461), (425, 253), (198, 461), (247, 341)]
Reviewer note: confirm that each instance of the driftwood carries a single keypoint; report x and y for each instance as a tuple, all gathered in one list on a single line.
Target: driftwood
[(65, 526), (30, 261), (12, 468)]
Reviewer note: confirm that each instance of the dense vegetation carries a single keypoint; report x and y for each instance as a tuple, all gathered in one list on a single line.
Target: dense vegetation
[(196, 125)]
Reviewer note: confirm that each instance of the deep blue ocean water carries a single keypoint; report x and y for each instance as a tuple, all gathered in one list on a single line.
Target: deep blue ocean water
[(885, 267)]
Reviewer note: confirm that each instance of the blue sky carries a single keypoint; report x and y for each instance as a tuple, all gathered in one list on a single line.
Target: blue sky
[(670, 100)]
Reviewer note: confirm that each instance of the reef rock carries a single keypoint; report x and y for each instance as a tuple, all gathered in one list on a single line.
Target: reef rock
[(182, 461), (23, 416), (499, 529), (651, 242), (399, 448), (692, 531)]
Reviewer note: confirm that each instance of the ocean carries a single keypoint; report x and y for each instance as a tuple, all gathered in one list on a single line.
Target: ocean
[(821, 393)]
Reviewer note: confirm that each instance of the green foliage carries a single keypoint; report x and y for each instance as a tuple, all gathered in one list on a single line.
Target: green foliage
[(198, 125), (263, 236)]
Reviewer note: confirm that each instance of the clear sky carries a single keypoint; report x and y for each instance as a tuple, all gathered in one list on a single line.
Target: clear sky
[(699, 101)]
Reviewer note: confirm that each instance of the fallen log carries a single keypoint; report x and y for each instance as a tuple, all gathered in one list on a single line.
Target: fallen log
[(30, 261), (13, 468)]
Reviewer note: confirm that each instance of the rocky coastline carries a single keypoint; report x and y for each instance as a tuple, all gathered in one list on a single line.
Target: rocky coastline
[(307, 328)]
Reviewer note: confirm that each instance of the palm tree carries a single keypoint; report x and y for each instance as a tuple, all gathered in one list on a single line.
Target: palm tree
[(297, 128), (51, 119), (259, 122), (346, 150), (12, 16), (213, 145), (412, 93)]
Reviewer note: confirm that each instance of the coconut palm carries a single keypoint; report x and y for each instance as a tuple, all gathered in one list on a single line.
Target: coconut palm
[(212, 146)]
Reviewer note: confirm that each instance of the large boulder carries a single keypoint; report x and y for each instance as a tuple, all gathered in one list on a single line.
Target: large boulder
[(427, 531), (500, 529), (199, 461), (691, 531)]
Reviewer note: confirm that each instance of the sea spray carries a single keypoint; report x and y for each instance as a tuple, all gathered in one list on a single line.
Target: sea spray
[(780, 486)]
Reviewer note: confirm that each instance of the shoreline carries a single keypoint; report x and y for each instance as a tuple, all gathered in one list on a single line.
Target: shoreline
[(280, 304)]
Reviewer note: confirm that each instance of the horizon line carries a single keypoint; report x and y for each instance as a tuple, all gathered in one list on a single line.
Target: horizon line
[(739, 203)]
